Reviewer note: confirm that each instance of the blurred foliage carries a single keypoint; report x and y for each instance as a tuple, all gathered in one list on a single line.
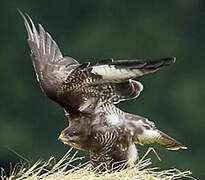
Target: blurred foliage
[(89, 30)]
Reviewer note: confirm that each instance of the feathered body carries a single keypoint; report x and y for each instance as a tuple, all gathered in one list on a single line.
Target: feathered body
[(88, 94)]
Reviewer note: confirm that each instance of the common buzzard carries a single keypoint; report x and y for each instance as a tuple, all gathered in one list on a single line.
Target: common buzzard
[(88, 93)]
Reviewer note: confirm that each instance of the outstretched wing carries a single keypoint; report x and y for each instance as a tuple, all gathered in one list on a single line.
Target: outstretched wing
[(121, 70), (112, 81), (120, 73), (50, 66), (80, 86)]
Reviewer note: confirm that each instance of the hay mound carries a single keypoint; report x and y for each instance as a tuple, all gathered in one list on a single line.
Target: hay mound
[(63, 169)]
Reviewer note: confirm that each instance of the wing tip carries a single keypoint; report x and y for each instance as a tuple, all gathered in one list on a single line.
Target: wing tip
[(170, 60), (20, 12), (177, 148), (170, 143), (41, 38)]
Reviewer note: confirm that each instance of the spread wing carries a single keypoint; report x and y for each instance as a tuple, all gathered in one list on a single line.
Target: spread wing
[(121, 70), (120, 73), (81, 86), (49, 64), (63, 79), (112, 81)]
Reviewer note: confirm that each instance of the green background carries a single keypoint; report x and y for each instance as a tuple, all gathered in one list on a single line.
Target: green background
[(88, 30)]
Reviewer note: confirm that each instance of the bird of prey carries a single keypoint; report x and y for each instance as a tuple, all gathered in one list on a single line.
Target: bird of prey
[(88, 93)]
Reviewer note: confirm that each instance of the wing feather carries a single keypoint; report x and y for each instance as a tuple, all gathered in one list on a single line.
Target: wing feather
[(128, 69), (63, 78), (145, 132), (112, 80), (44, 49), (49, 64)]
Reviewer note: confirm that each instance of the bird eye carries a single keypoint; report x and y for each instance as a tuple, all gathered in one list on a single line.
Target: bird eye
[(71, 134), (146, 126)]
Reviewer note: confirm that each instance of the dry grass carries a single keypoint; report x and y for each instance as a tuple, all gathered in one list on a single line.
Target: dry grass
[(52, 170)]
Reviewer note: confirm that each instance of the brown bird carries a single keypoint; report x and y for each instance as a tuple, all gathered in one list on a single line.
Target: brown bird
[(87, 92)]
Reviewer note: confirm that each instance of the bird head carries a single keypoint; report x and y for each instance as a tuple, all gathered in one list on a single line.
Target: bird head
[(76, 135)]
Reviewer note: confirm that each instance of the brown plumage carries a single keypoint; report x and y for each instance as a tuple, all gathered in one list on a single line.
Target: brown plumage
[(88, 92)]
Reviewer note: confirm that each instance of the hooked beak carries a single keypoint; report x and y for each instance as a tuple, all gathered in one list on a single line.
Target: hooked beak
[(62, 138)]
